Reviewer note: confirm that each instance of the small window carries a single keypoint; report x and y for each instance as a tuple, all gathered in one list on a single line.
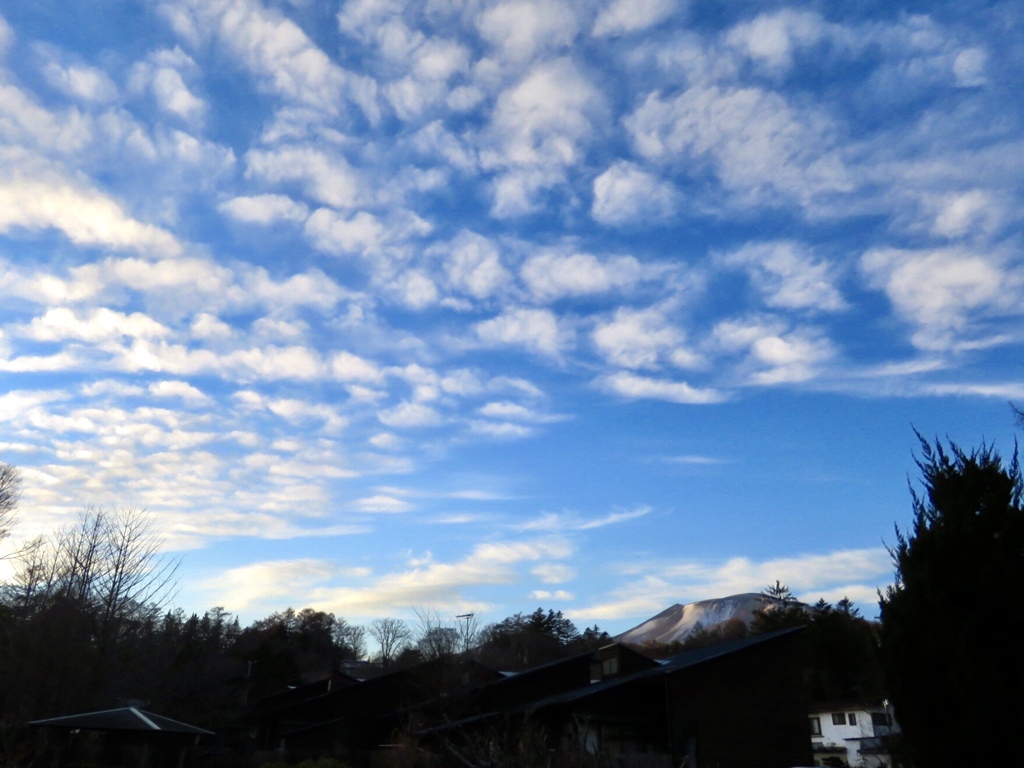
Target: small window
[(815, 726), (838, 718), (852, 718), (880, 718), (609, 667)]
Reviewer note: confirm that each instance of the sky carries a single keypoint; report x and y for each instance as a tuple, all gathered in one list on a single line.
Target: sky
[(471, 306)]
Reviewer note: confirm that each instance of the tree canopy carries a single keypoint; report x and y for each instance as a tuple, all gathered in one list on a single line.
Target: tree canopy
[(950, 637)]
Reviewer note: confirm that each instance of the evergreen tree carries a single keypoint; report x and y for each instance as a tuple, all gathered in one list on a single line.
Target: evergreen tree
[(782, 611), (950, 637)]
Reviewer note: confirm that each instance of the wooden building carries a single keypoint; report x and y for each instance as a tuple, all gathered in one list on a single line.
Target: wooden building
[(736, 705)]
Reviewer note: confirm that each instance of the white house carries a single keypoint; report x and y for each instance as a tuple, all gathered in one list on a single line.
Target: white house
[(852, 733)]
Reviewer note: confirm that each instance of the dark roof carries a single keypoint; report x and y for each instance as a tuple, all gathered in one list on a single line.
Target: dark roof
[(676, 663), (123, 719), (682, 661), (834, 705)]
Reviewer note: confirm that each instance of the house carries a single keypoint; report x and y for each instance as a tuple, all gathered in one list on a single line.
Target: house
[(853, 733), (736, 705), (357, 716)]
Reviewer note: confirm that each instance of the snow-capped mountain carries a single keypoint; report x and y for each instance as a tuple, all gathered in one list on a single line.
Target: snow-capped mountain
[(679, 621)]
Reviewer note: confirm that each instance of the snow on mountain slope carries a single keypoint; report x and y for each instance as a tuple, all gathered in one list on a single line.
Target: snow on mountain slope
[(679, 621)]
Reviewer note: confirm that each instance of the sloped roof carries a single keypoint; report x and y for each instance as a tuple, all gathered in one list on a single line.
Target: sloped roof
[(123, 719), (682, 661)]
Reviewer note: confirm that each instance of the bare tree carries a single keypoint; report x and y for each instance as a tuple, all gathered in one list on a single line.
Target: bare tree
[(392, 635), (435, 639), (10, 492), (83, 602), (350, 637), (108, 563)]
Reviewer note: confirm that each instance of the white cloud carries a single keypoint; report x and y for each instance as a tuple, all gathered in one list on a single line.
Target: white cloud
[(161, 75), (434, 140), (312, 288), (274, 329), (296, 411), (97, 326), (521, 29), (537, 131), (546, 594), (553, 274), (969, 68), (537, 330), (624, 194), (755, 142), (961, 213), (637, 338), (362, 18), (178, 276), (415, 289), (645, 388), (112, 387), (267, 582), (515, 411), (384, 441), (770, 38), (35, 195), (264, 209), (570, 521), (23, 122), (80, 81), (943, 291), (500, 429), (181, 389), (554, 573), (334, 233), (438, 584), (382, 504), (6, 36), (430, 63), (775, 355), (625, 16), (788, 275), (810, 576), (790, 358), (269, 362), (276, 50), (349, 367), (325, 177), (409, 415), (473, 265)]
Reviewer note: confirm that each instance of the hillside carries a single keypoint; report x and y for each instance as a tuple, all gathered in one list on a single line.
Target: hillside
[(678, 622)]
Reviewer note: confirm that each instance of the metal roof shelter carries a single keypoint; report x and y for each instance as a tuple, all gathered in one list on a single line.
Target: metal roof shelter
[(123, 719), (126, 737)]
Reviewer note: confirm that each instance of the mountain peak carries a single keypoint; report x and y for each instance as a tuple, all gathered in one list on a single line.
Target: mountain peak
[(677, 622)]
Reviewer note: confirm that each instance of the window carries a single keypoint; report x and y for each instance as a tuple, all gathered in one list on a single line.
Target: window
[(838, 718), (609, 667), (815, 726), (852, 718), (880, 718)]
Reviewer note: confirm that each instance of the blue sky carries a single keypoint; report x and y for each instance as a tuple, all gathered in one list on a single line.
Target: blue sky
[(478, 306)]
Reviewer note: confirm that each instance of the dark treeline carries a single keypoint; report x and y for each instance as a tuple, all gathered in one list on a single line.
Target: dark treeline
[(87, 622)]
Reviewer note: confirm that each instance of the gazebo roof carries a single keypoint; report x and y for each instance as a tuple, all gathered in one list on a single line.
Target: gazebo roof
[(123, 719)]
